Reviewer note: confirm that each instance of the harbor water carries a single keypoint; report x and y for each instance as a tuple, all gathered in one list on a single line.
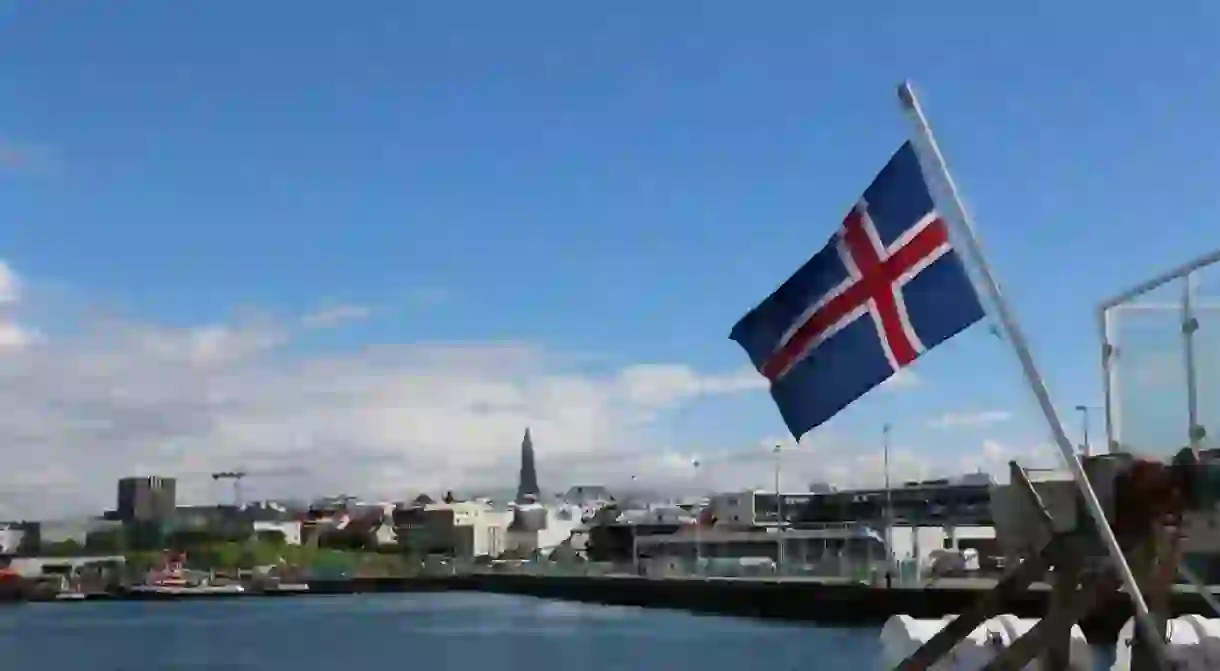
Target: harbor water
[(429, 631)]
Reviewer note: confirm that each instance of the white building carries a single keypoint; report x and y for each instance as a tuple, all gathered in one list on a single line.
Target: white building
[(291, 529), (754, 508), (461, 529), (829, 529), (660, 514), (538, 528), (35, 567), (585, 495), (10, 539)]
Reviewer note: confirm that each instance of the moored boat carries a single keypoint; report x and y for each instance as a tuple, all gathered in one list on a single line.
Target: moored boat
[(13, 587), (173, 580)]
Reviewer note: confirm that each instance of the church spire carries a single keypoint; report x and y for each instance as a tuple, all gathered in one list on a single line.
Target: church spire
[(527, 483)]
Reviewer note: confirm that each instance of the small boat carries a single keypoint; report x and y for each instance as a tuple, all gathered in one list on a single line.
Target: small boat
[(186, 590), (13, 587), (173, 580)]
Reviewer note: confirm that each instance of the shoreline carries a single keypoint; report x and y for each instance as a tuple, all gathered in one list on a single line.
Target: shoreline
[(829, 603)]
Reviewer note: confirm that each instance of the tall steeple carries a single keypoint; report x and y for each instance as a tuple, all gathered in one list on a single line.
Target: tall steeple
[(527, 483)]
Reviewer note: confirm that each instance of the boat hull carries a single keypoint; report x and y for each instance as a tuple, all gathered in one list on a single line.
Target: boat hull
[(154, 593)]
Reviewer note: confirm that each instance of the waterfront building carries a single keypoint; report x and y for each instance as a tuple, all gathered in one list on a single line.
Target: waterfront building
[(10, 539), (37, 567), (536, 529), (587, 495), (462, 529), (824, 532), (20, 538), (146, 499), (658, 514), (946, 502), (962, 501), (289, 530), (345, 523), (255, 519), (612, 532), (617, 542)]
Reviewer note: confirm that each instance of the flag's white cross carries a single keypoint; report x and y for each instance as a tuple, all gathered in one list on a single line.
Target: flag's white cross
[(876, 275)]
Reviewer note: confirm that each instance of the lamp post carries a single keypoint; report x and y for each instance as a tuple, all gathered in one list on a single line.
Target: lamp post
[(635, 536), (1084, 421), (698, 526)]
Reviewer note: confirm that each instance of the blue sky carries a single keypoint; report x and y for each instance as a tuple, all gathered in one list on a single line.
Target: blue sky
[(616, 182)]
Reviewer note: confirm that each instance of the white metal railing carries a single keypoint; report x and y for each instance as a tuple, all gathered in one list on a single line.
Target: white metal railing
[(1185, 310)]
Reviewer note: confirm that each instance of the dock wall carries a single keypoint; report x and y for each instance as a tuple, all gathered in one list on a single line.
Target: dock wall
[(840, 604), (834, 604)]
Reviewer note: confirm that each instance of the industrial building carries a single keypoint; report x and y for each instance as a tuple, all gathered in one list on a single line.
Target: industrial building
[(146, 499)]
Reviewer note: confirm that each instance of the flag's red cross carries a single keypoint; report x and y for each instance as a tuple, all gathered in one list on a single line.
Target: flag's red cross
[(874, 284)]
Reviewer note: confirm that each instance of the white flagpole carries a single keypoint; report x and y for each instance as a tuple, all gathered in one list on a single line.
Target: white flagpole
[(1009, 323)]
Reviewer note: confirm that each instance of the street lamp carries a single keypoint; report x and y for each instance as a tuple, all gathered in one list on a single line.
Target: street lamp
[(1084, 421), (698, 525), (635, 535)]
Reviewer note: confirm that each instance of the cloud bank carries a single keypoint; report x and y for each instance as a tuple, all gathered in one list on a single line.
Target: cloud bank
[(123, 398), (969, 419), (117, 397)]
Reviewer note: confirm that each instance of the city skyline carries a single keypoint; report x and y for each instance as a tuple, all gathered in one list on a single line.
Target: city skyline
[(378, 242)]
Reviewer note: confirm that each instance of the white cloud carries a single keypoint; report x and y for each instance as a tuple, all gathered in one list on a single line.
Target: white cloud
[(904, 378), (994, 456), (14, 336), (846, 461), (969, 419), (663, 385), (666, 385), (820, 457), (335, 316), (10, 285), (120, 398)]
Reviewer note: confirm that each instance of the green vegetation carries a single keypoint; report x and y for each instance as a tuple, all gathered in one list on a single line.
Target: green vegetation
[(143, 549), (298, 560)]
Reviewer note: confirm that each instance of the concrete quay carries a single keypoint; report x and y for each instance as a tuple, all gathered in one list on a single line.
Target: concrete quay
[(830, 602), (825, 601)]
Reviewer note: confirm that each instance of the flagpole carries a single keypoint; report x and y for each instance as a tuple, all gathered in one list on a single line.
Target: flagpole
[(910, 104)]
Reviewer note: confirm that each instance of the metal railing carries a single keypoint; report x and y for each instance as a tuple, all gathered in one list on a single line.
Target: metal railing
[(1154, 372)]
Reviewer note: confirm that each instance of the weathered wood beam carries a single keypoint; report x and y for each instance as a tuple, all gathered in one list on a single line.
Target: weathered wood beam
[(1022, 651)]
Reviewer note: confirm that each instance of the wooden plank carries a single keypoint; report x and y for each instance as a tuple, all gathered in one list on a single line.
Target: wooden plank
[(1023, 650), (988, 605), (1158, 562), (1067, 582), (1053, 552)]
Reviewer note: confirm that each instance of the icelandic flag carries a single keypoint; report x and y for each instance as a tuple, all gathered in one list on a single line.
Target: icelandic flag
[(886, 288)]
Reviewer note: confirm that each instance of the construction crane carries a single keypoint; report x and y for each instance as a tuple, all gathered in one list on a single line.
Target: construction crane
[(238, 475)]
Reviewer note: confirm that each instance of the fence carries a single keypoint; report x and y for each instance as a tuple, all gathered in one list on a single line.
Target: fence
[(1160, 344)]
